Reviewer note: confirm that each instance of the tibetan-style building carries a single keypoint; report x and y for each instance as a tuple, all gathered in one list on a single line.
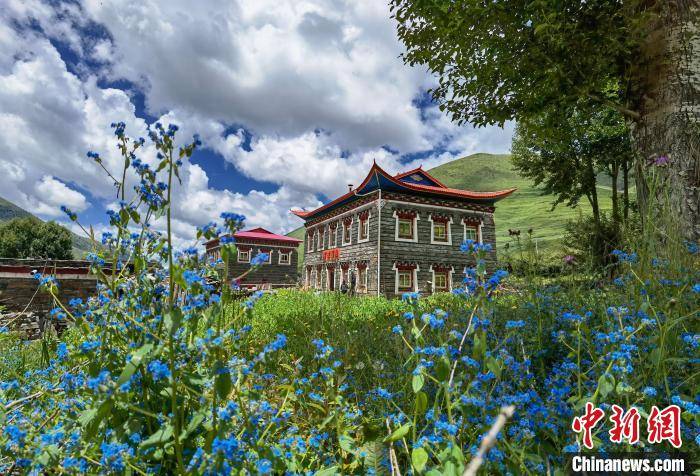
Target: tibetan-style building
[(280, 270), (396, 233)]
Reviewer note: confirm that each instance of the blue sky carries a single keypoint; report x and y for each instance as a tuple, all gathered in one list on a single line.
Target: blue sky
[(293, 101)]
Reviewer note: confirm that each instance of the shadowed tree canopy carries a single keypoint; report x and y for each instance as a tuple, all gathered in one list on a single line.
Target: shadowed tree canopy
[(29, 237), (498, 61)]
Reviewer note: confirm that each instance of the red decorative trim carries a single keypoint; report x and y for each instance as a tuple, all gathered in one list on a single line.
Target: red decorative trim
[(441, 268), (330, 266), (266, 250), (345, 266), (363, 215), (406, 214), (472, 221), (244, 247), (347, 221), (362, 265), (437, 218), (404, 265), (285, 250), (333, 225)]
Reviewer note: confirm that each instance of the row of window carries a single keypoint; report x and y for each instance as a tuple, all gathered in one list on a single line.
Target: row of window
[(406, 227), (313, 278), (244, 255), (405, 279)]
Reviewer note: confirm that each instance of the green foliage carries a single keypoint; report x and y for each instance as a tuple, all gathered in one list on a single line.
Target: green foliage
[(29, 237), (499, 61)]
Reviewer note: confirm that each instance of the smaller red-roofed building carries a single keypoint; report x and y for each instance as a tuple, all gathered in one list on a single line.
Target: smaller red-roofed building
[(280, 270), (397, 233)]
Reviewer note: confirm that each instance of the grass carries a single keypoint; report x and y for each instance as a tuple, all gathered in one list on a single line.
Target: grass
[(526, 208)]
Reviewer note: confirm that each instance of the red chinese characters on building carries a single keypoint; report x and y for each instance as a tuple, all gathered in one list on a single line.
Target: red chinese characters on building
[(665, 425), (331, 255), (585, 424), (625, 425)]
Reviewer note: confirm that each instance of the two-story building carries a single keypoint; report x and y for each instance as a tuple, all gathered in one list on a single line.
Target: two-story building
[(280, 269), (396, 234)]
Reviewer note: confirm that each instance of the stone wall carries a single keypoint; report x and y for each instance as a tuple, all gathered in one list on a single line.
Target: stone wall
[(20, 293), (422, 253)]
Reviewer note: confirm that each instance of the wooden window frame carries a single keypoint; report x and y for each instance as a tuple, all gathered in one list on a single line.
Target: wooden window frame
[(363, 224), (473, 226), (414, 222), (348, 227), (240, 252), (288, 255), (448, 231), (447, 272), (414, 279)]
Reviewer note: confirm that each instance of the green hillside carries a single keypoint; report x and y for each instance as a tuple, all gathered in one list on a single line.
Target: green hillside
[(526, 209), (9, 210)]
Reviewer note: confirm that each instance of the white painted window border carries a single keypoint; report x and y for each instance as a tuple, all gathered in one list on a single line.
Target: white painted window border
[(359, 228), (283, 253), (322, 239), (332, 233), (396, 280), (342, 232), (478, 231), (415, 229), (248, 252), (450, 272), (448, 231), (363, 286)]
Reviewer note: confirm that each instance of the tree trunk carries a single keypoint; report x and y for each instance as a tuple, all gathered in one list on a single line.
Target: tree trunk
[(626, 190), (614, 174), (669, 122)]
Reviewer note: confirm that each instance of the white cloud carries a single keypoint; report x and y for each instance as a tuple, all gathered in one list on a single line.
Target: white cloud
[(53, 193), (318, 83)]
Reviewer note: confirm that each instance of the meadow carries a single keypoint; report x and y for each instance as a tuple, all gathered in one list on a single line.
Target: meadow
[(164, 373)]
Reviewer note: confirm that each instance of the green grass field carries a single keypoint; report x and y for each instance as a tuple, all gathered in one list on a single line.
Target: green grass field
[(526, 208)]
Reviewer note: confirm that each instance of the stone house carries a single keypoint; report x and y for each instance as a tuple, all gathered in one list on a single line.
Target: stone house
[(396, 234), (279, 271)]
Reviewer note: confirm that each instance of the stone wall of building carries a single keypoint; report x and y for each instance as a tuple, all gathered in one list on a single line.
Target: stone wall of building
[(422, 253)]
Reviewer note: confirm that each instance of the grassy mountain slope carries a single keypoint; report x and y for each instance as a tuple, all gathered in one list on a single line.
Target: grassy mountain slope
[(526, 208), (9, 210)]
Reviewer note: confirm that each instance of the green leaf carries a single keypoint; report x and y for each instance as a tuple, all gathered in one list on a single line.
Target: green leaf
[(347, 443), (606, 384), (419, 458), (442, 369), (399, 433), (327, 471), (417, 382), (134, 362), (161, 436), (223, 382), (421, 403), (494, 366)]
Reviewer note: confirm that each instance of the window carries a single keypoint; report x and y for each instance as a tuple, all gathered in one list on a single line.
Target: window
[(308, 277), (362, 279), (406, 228), (347, 232), (440, 231), (318, 278), (471, 232), (334, 236), (321, 238), (243, 256), (285, 257), (363, 229), (441, 281), (405, 277)]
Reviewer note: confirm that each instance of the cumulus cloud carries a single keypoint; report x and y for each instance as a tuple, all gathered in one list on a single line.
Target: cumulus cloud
[(318, 85)]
